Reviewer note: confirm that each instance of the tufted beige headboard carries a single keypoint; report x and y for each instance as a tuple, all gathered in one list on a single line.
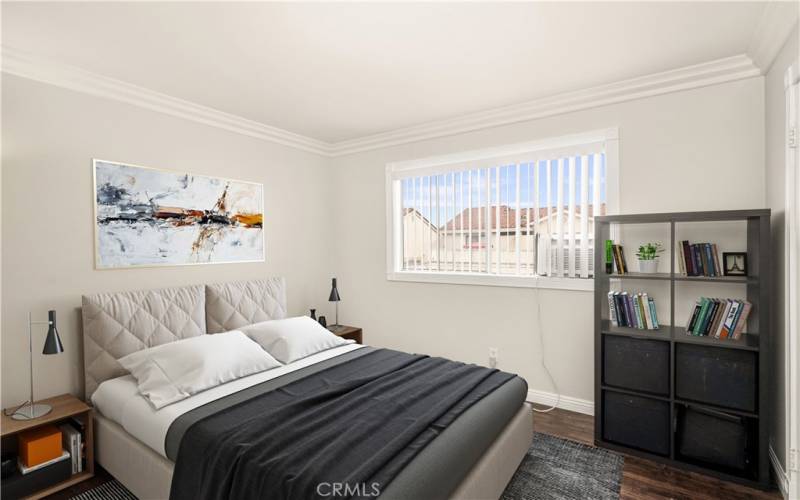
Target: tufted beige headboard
[(120, 323), (233, 305)]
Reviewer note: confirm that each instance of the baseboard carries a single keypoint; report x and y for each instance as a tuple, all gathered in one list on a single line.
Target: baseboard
[(780, 474), (583, 406)]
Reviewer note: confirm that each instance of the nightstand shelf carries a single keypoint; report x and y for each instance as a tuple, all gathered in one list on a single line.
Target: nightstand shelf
[(348, 332), (64, 407)]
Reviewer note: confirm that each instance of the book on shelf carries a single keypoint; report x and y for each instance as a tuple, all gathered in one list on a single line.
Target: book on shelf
[(715, 253), (617, 256), (637, 311), (612, 309), (632, 310), (609, 256), (629, 314), (698, 259), (652, 305), (644, 300), (738, 328), (722, 305), (718, 318)]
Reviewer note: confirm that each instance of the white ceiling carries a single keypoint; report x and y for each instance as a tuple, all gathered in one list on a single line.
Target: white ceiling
[(339, 71)]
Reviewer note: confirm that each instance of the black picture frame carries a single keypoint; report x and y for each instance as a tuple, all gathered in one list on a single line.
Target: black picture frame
[(734, 263)]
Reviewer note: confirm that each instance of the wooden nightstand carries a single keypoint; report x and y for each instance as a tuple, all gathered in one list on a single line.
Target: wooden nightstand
[(347, 332), (64, 407)]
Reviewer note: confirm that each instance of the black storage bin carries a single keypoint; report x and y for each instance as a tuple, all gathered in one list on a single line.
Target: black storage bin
[(636, 421), (636, 364), (717, 376), (716, 439)]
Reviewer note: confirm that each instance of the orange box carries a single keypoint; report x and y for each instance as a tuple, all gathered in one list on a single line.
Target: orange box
[(39, 445)]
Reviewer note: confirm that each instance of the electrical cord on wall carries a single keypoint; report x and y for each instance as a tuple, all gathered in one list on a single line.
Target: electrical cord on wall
[(544, 365)]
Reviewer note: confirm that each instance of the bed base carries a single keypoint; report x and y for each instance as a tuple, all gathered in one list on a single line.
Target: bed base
[(148, 475)]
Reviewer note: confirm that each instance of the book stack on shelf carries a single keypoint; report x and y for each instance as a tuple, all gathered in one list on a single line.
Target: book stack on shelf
[(633, 310), (718, 318), (698, 259), (72, 441)]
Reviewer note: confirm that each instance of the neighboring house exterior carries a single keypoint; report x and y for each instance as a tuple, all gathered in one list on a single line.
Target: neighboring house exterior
[(420, 240), (462, 243)]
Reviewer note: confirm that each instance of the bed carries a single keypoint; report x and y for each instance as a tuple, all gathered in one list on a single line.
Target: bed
[(473, 456)]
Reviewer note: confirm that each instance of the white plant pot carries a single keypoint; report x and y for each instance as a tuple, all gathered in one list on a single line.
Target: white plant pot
[(648, 266)]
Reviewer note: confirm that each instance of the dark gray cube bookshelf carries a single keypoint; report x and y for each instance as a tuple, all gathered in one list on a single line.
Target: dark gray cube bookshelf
[(718, 428)]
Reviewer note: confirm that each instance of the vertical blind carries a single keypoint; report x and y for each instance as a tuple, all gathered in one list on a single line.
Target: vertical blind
[(523, 218)]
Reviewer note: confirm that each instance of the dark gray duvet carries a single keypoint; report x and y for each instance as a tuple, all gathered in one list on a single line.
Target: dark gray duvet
[(367, 423)]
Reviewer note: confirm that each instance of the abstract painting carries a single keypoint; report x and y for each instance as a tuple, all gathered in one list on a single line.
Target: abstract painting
[(151, 217)]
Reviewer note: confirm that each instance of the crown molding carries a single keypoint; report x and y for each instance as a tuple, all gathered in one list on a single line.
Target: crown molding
[(699, 75), (772, 31), (19, 63), (26, 65)]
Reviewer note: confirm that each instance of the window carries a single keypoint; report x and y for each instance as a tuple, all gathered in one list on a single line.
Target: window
[(519, 215)]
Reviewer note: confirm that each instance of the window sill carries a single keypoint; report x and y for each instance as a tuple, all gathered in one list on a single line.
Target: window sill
[(580, 284)]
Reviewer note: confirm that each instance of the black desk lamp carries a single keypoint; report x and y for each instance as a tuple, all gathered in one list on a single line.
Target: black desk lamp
[(52, 345), (334, 297)]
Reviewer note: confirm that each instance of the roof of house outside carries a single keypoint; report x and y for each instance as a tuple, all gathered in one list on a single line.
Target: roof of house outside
[(508, 216), (414, 211)]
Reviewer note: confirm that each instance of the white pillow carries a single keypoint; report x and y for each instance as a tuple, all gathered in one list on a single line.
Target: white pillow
[(171, 372), (291, 339)]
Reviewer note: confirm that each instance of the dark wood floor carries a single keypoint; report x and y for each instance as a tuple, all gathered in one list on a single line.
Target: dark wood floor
[(644, 479), (641, 479), (100, 476)]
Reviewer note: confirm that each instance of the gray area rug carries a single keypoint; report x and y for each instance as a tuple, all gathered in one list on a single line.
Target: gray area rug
[(558, 469)]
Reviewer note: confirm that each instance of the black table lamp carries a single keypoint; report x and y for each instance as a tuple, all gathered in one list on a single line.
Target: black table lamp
[(334, 297), (52, 345)]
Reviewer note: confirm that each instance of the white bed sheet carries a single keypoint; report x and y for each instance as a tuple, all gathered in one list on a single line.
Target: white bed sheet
[(119, 399)]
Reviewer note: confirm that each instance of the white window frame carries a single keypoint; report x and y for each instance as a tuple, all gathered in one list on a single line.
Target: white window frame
[(460, 161)]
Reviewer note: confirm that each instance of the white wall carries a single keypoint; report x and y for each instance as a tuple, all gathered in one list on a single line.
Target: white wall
[(49, 137), (701, 149), (775, 131)]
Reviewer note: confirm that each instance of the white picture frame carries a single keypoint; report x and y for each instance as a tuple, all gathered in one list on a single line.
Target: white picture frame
[(151, 217)]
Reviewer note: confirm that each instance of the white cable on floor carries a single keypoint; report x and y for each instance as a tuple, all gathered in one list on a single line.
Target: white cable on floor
[(544, 365)]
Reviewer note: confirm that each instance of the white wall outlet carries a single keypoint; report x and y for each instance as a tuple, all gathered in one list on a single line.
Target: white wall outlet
[(493, 357), (792, 460)]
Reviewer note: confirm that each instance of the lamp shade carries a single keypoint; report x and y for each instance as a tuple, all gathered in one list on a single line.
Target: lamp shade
[(52, 344), (334, 297)]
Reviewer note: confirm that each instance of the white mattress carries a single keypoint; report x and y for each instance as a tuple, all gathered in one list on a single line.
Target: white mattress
[(119, 400)]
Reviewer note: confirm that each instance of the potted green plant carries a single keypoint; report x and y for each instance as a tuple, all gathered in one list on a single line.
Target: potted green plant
[(648, 257)]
